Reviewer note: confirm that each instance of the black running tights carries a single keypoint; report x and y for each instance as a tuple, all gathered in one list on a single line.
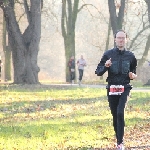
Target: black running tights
[(117, 104)]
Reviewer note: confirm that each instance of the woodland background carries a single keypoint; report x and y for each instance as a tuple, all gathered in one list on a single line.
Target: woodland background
[(93, 35)]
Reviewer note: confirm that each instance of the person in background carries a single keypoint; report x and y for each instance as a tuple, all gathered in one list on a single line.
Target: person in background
[(71, 65), (121, 66), (81, 63)]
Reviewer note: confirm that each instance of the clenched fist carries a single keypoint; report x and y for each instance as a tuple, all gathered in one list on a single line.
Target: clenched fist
[(132, 75), (108, 63)]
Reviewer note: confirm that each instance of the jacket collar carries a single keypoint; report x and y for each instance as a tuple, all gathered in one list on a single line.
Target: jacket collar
[(119, 51)]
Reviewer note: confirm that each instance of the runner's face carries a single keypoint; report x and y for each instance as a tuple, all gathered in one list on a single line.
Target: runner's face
[(120, 40)]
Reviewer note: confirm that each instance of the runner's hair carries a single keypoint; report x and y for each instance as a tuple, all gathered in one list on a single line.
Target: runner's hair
[(121, 30)]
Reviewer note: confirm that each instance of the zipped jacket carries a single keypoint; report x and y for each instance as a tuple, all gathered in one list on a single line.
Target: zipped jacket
[(123, 62)]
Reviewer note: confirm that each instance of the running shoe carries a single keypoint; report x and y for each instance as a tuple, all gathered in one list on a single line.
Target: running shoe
[(120, 147)]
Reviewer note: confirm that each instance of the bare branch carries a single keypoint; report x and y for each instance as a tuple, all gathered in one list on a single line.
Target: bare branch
[(21, 16), (138, 34), (27, 10), (85, 5)]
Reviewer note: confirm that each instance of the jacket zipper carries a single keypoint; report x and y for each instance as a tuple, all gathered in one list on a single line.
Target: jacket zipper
[(120, 63)]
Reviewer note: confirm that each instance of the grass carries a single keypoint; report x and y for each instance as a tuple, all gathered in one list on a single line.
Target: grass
[(63, 117)]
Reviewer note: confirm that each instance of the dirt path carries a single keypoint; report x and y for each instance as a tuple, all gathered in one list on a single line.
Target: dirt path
[(142, 89)]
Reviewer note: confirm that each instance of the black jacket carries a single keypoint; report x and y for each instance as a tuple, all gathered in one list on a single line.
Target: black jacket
[(71, 64), (123, 62)]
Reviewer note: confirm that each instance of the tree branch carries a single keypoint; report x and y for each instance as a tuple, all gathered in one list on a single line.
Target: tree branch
[(75, 13), (63, 18), (113, 16), (138, 34), (145, 54), (83, 6), (69, 22), (121, 14), (27, 10)]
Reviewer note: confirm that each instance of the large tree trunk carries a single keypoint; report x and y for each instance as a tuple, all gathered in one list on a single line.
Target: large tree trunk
[(68, 22), (113, 16), (7, 55), (7, 72), (32, 44), (25, 46), (16, 44)]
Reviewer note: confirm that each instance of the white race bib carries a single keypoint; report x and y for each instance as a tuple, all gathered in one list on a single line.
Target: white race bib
[(116, 89), (72, 70)]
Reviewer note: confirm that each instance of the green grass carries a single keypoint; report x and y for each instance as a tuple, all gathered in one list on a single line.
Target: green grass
[(58, 118)]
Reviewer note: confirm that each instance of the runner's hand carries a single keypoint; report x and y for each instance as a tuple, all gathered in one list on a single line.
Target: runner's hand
[(132, 75), (108, 63)]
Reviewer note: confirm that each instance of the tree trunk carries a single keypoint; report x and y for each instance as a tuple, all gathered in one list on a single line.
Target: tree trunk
[(116, 21), (148, 41), (7, 64), (25, 46), (113, 16), (7, 55), (148, 82), (68, 22), (145, 54), (32, 46), (68, 54), (148, 5), (108, 35)]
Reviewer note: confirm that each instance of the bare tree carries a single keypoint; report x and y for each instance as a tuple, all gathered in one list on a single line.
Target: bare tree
[(117, 21), (141, 35), (24, 46), (68, 21)]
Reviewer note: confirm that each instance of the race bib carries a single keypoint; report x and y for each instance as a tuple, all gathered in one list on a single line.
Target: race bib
[(72, 70), (116, 89)]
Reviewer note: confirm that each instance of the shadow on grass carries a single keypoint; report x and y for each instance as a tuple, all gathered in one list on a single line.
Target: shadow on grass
[(37, 87), (42, 105)]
